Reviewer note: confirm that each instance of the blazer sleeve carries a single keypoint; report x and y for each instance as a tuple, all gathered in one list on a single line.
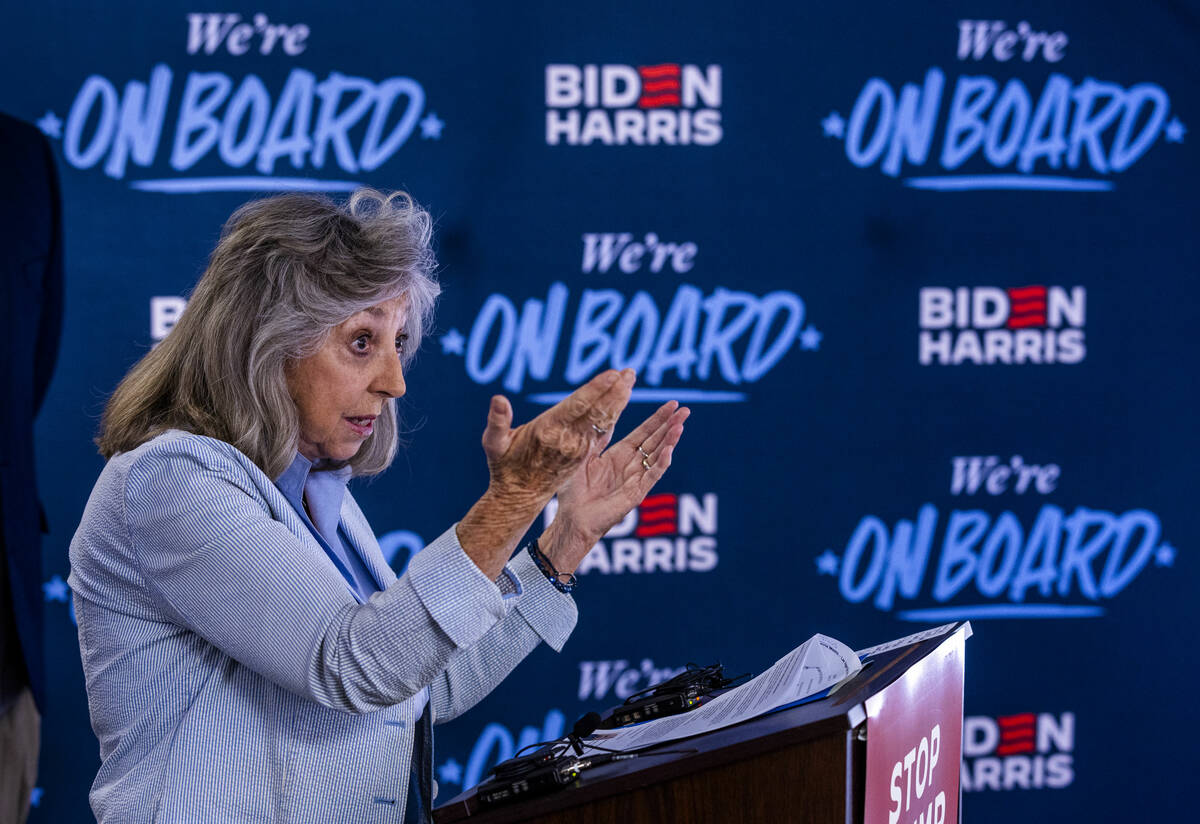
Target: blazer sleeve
[(542, 614), (216, 562), (50, 319)]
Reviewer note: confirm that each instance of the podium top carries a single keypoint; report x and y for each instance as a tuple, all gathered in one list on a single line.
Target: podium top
[(840, 712)]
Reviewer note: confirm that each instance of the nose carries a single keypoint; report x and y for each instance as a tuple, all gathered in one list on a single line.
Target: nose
[(389, 377)]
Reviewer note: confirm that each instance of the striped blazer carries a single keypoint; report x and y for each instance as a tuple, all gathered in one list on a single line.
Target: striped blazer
[(232, 676)]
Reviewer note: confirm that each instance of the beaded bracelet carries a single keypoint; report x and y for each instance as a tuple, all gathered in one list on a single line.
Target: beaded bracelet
[(552, 575)]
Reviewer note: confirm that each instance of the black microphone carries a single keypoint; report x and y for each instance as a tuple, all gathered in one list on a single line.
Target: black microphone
[(584, 727)]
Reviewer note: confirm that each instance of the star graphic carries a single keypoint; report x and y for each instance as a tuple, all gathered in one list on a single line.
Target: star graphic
[(56, 589), (810, 338), (1175, 131), (1164, 556), (453, 343), (431, 126), (827, 563), (834, 126), (35, 796), (450, 772), (50, 125)]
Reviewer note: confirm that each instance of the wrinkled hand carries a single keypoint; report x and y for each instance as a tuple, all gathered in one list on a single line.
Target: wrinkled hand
[(528, 464), (535, 459), (610, 483)]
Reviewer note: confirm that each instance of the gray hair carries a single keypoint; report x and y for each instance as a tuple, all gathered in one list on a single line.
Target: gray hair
[(286, 271)]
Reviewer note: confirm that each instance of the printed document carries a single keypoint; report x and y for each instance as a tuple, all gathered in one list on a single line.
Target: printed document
[(818, 663)]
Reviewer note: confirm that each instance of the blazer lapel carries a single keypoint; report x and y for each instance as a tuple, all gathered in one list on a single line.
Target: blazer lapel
[(360, 534), (285, 513)]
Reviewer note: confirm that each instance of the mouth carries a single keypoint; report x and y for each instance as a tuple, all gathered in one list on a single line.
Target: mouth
[(361, 425)]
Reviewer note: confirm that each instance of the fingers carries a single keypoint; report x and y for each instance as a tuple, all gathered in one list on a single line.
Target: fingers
[(604, 415), (647, 427), (640, 484), (598, 402), (580, 402), (660, 453), (667, 432), (662, 460), (602, 441), (655, 454), (497, 433)]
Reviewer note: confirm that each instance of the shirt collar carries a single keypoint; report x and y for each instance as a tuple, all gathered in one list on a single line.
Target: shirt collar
[(291, 482)]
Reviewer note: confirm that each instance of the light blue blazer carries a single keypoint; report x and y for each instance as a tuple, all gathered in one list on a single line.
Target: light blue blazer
[(231, 674)]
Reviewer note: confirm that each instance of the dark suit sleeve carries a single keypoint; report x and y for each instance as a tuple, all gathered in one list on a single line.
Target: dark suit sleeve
[(50, 321), (31, 296)]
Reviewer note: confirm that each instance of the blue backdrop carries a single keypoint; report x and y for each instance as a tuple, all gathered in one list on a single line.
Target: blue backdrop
[(925, 273)]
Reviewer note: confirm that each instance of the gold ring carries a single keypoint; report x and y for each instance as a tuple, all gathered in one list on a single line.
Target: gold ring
[(645, 454), (599, 431), (645, 465)]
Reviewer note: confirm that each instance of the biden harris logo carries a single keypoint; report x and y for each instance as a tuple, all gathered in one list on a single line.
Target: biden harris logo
[(985, 130), (207, 131), (667, 532), (991, 325), (987, 561), (665, 104), (1021, 751)]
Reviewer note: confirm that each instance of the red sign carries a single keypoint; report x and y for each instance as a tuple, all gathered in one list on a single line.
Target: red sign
[(914, 742)]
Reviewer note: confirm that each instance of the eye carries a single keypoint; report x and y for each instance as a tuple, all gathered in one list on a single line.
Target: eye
[(401, 343), (362, 343)]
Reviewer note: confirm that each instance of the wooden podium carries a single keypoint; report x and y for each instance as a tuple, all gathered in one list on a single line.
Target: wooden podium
[(883, 749)]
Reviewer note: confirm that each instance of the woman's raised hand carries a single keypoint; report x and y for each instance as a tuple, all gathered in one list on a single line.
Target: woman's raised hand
[(530, 463), (609, 484), (535, 459)]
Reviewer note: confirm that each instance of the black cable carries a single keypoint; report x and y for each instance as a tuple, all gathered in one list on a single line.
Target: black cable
[(585, 726), (708, 678)]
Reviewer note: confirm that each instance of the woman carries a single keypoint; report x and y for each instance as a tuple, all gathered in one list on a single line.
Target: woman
[(248, 653)]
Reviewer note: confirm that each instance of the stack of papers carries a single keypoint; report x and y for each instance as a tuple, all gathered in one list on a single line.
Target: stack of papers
[(817, 664)]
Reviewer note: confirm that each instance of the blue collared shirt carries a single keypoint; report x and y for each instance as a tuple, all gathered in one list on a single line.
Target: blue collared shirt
[(323, 490)]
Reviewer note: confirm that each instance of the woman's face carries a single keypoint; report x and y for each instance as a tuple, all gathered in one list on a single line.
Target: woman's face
[(340, 390)]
